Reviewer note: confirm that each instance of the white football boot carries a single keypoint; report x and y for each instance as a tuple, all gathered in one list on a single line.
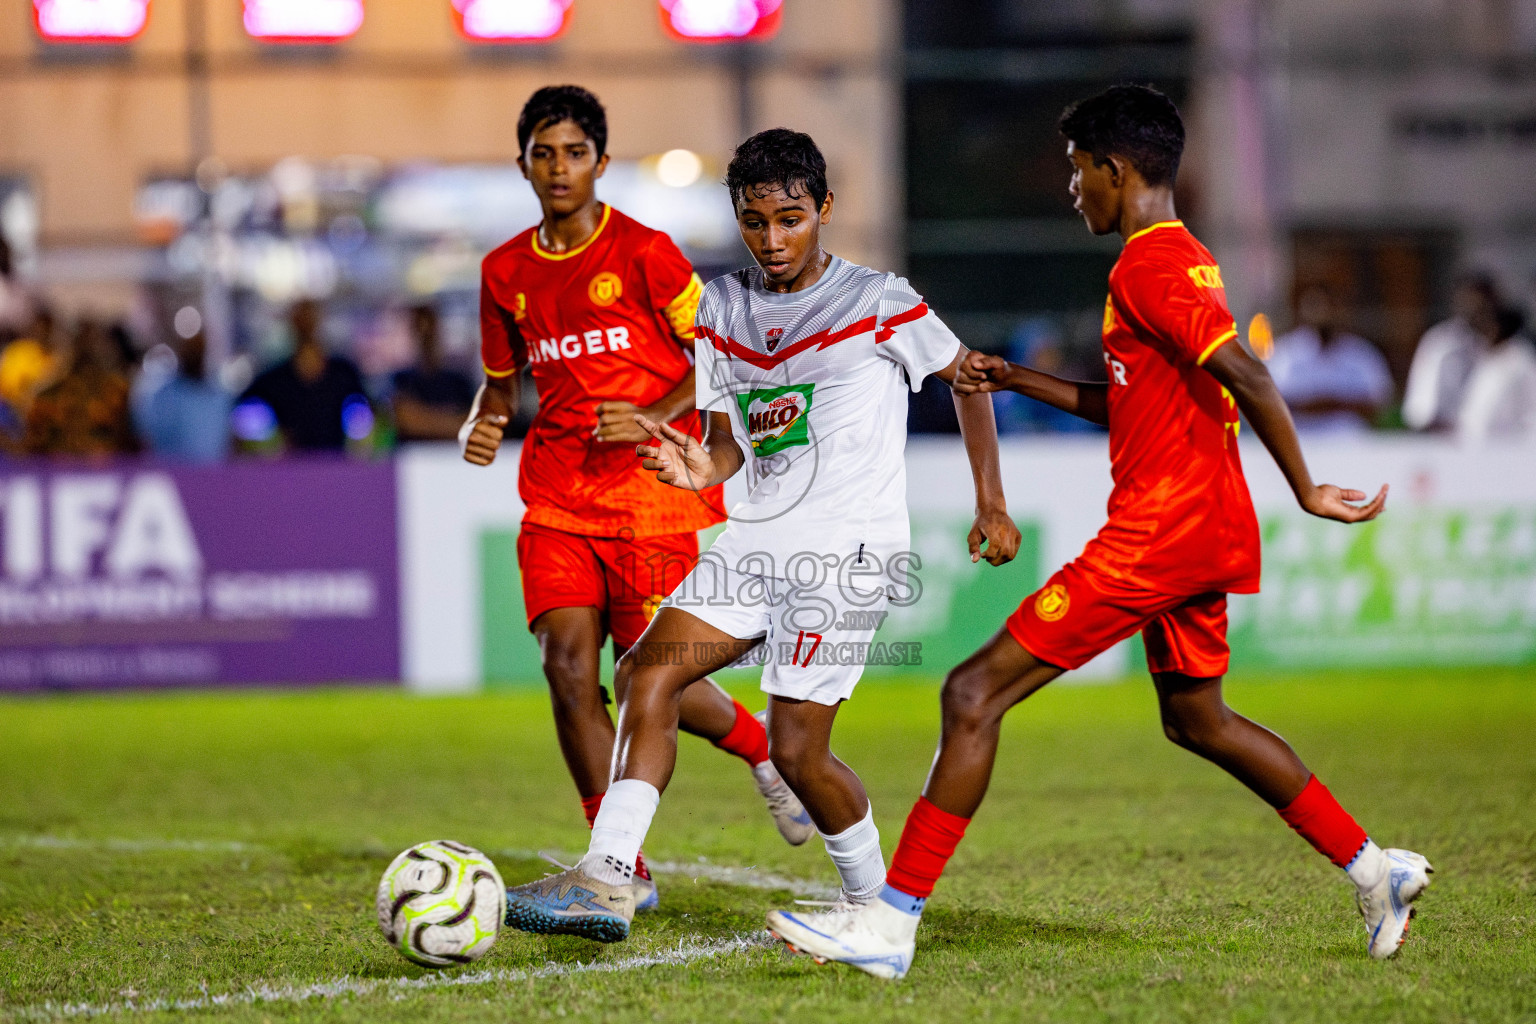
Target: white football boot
[(1388, 905), (875, 937), (789, 814)]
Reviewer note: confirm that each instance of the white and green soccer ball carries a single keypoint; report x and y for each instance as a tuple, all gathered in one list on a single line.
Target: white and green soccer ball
[(441, 903)]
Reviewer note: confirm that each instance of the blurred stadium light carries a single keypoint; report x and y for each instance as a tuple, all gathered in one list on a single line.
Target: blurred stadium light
[(512, 21), (90, 21), (721, 21), (303, 21)]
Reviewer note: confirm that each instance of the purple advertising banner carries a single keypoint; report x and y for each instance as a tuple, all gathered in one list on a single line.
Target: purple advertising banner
[(147, 574)]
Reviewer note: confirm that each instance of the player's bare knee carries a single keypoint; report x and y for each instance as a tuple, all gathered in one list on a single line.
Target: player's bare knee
[(623, 676), (647, 690), (795, 757), (1194, 731), (968, 700), (1174, 730), (569, 669)]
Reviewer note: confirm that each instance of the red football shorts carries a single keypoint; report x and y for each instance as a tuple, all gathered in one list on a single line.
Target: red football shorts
[(624, 580), (1081, 613)]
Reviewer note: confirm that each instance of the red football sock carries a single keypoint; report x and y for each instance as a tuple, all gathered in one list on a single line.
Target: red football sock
[(589, 807), (1317, 817), (927, 842), (747, 739)]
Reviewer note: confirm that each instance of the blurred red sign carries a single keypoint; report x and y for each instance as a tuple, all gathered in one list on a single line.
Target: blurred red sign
[(89, 21), (721, 21), (511, 21), (303, 21)]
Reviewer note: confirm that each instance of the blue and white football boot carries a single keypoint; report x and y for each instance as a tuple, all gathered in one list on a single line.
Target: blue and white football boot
[(573, 903), (1388, 905), (875, 937)]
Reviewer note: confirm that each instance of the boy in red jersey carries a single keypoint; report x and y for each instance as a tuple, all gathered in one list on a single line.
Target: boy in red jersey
[(601, 308), (1181, 536)]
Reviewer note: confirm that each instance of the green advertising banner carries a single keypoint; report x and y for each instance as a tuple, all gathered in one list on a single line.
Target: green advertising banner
[(1420, 586)]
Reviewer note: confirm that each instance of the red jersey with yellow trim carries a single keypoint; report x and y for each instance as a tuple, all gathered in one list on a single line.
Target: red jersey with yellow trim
[(1180, 518), (609, 320)]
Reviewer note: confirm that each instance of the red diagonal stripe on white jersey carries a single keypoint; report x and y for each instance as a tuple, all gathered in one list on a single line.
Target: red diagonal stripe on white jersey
[(765, 361), (906, 316)]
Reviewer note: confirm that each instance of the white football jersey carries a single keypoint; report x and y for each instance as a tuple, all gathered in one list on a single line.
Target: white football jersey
[(816, 385)]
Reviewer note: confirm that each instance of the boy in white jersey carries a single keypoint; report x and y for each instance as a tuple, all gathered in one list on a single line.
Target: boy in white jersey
[(804, 363)]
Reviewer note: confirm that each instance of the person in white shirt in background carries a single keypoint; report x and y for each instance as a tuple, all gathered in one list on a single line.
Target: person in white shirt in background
[(1334, 382), (1500, 404), (1443, 362)]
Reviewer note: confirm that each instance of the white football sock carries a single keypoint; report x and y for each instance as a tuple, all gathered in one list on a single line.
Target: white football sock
[(1368, 867), (856, 852), (619, 829)]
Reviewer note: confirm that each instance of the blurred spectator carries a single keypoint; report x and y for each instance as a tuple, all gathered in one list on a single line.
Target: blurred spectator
[(27, 365), (430, 400), (16, 306), (1442, 364), (184, 417), (86, 411), (1501, 392), (313, 397), (1334, 382)]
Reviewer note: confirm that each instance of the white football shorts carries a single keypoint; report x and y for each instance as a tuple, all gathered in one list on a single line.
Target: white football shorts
[(816, 639)]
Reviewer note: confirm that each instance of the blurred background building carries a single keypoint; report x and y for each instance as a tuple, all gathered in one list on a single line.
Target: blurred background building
[(225, 160), (194, 167)]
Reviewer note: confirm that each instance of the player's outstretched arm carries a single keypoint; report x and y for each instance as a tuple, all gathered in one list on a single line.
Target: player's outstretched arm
[(481, 434), (616, 418), (680, 460), (1256, 395), (979, 372), (978, 427)]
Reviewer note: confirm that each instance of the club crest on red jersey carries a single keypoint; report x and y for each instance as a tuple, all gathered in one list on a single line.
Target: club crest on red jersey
[(775, 335), (605, 289), (1053, 602)]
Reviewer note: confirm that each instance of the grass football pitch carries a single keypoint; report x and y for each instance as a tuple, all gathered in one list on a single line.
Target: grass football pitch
[(213, 856)]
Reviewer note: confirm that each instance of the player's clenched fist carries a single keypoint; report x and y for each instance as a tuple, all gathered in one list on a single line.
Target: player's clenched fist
[(980, 372), (996, 529), (616, 422), (481, 437)]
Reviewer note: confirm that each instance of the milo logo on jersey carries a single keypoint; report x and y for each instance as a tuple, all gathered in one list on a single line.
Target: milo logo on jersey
[(775, 417)]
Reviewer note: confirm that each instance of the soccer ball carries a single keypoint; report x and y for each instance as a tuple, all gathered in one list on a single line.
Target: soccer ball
[(441, 903)]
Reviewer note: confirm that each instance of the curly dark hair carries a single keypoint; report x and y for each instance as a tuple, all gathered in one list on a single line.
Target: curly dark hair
[(555, 103), (777, 159), (1132, 121)]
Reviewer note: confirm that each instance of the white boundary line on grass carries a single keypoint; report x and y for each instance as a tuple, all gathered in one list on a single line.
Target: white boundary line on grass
[(684, 954)]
